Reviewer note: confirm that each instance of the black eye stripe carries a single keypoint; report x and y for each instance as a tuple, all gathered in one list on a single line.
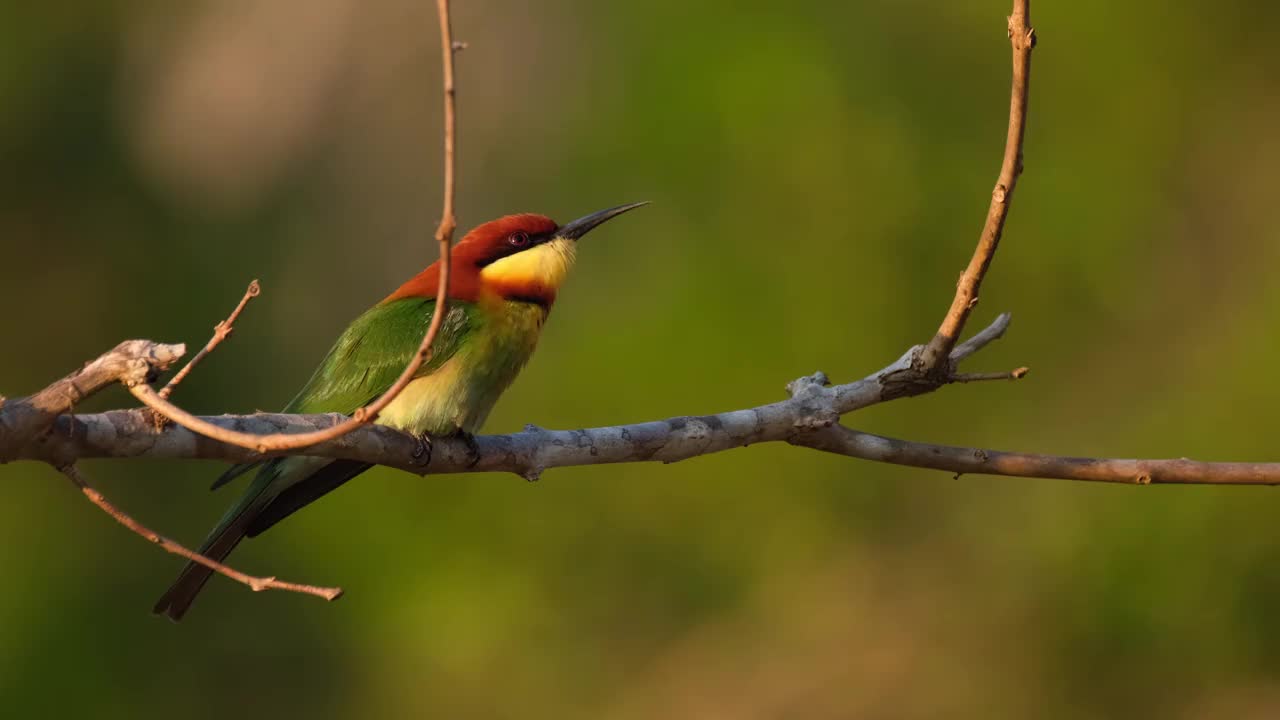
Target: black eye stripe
[(509, 248)]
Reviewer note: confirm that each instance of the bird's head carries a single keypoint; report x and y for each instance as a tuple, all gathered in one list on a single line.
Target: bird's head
[(528, 256), (518, 257)]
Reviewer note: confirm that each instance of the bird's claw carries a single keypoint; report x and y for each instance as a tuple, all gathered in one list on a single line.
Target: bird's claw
[(473, 448), (423, 451)]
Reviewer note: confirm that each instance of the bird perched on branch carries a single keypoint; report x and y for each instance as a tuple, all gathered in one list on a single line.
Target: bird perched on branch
[(504, 279)]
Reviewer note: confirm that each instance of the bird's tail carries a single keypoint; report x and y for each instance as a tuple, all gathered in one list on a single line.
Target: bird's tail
[(224, 538)]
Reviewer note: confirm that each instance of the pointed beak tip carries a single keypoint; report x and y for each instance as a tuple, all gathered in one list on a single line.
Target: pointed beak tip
[(583, 225)]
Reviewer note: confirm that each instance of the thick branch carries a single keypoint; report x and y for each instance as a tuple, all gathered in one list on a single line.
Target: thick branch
[(131, 362), (812, 405), (802, 420), (1023, 39)]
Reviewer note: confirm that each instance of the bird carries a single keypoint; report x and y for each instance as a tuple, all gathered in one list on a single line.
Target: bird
[(503, 281)]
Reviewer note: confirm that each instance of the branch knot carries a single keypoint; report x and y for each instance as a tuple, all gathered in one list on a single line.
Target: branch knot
[(815, 402)]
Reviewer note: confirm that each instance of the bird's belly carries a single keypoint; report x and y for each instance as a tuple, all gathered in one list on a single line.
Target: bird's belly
[(429, 404), (460, 393)]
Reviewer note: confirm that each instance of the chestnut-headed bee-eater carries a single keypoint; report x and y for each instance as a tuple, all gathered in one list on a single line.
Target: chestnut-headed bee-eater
[(504, 279)]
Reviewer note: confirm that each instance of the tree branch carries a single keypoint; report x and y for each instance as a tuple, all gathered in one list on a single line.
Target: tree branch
[(1023, 38), (806, 419), (257, 584), (131, 362), (961, 460), (813, 405)]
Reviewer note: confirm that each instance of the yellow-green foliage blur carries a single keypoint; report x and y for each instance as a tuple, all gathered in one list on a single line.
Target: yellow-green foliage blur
[(819, 172)]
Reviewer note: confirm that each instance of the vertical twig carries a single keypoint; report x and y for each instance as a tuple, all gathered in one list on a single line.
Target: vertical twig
[(448, 223), (444, 236), (933, 359)]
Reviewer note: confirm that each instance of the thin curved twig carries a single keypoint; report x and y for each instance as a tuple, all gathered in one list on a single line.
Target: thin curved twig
[(278, 442), (257, 584), (1023, 38)]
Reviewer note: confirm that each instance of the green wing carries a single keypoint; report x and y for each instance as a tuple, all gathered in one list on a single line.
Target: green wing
[(374, 350), (371, 354)]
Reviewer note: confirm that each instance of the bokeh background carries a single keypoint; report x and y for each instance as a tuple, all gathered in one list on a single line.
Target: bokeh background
[(819, 172)]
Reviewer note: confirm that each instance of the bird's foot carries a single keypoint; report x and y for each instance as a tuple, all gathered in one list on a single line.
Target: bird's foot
[(422, 453), (473, 448)]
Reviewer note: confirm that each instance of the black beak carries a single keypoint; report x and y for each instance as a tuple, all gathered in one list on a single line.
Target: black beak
[(584, 225)]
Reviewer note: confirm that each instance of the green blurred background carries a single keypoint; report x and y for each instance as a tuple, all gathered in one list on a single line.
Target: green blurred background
[(158, 156)]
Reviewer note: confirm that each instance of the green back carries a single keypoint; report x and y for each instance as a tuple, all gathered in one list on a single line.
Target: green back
[(375, 349)]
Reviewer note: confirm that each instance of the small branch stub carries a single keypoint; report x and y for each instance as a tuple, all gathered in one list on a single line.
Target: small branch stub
[(816, 401)]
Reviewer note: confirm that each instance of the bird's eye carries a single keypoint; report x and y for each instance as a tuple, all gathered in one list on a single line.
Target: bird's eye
[(518, 239)]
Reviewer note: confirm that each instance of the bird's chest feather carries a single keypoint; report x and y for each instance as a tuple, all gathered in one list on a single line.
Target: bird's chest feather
[(460, 393)]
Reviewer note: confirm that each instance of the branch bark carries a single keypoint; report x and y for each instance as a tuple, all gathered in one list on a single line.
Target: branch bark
[(131, 362), (813, 404), (961, 460), (806, 419)]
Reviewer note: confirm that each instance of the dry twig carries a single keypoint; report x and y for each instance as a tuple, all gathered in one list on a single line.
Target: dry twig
[(257, 584), (1015, 374), (1023, 38), (221, 332)]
